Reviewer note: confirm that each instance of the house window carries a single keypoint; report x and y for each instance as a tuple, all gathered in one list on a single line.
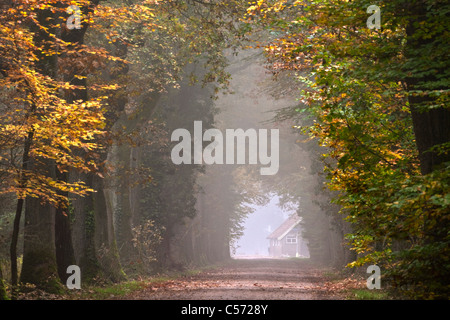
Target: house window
[(291, 239)]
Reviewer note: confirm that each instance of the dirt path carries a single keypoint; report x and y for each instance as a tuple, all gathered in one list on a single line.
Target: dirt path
[(261, 279)]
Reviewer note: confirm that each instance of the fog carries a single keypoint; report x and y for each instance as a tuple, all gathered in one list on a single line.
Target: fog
[(145, 137), (252, 104), (258, 225)]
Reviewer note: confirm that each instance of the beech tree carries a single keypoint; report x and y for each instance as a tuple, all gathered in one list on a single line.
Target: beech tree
[(50, 129), (62, 104), (380, 102)]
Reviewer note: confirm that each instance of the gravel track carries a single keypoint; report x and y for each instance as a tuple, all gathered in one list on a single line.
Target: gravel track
[(245, 279)]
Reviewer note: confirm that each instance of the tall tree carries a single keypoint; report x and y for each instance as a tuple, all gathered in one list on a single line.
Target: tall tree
[(380, 101), (427, 79), (49, 127)]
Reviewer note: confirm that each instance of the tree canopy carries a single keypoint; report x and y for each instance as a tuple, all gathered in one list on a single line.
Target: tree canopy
[(91, 90), (379, 98)]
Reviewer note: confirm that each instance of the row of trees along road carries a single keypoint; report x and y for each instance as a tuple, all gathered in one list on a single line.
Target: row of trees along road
[(83, 152), (85, 125), (379, 103)]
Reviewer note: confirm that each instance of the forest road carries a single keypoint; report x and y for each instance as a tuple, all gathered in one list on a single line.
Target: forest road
[(245, 279)]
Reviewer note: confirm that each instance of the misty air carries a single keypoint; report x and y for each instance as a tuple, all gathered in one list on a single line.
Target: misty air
[(219, 158)]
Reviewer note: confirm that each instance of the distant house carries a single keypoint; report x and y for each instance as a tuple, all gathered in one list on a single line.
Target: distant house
[(286, 240)]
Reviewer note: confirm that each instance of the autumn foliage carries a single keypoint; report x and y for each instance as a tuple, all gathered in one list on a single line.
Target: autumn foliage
[(80, 80), (361, 86)]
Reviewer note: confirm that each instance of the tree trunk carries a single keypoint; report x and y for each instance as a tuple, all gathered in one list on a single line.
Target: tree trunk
[(39, 260), (431, 128), (93, 236), (65, 254), (3, 294), (83, 233), (63, 243), (431, 125), (105, 235), (18, 215), (105, 239), (123, 207)]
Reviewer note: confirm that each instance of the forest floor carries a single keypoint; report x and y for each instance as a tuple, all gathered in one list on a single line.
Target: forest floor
[(254, 279)]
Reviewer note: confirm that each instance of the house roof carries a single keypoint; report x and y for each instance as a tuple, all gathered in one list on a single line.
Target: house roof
[(285, 227)]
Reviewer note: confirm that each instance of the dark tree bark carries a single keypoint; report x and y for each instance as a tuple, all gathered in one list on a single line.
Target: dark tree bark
[(39, 259), (65, 255), (3, 294), (18, 215), (431, 128), (431, 125), (84, 232)]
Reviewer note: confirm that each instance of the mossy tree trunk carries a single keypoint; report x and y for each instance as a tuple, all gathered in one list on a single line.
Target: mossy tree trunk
[(39, 259), (105, 239), (3, 294), (93, 235), (83, 234), (123, 208), (63, 243)]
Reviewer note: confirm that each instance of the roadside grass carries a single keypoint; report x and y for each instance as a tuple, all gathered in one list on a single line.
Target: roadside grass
[(107, 292), (352, 286), (366, 294)]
